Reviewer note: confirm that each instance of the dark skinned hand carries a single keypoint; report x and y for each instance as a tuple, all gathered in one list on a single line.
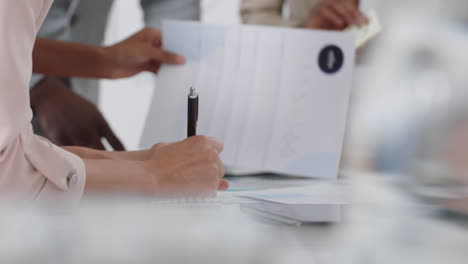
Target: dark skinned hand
[(67, 119), (336, 15)]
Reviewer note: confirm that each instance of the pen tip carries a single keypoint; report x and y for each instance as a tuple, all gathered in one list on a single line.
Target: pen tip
[(192, 91)]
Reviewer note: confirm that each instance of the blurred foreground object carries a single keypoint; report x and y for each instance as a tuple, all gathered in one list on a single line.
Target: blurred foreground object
[(139, 231), (420, 73), (391, 227)]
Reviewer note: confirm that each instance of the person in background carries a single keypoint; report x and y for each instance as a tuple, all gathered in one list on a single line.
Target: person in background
[(65, 109), (32, 169), (313, 14)]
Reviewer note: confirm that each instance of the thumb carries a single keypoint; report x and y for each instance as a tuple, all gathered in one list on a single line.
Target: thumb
[(223, 185)]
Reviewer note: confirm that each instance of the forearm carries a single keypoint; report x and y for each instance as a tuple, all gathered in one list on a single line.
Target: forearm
[(67, 59), (108, 176), (169, 170), (87, 153)]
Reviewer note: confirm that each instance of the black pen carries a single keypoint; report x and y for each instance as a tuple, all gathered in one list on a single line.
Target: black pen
[(192, 118)]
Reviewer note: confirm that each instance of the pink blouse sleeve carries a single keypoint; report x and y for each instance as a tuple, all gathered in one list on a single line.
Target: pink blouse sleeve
[(31, 168)]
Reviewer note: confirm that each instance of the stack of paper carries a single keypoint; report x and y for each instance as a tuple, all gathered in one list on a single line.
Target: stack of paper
[(322, 202)]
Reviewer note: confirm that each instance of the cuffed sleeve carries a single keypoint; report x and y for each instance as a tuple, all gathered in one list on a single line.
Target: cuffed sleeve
[(31, 168)]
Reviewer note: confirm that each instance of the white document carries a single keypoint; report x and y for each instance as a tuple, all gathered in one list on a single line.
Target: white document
[(319, 202), (317, 193), (262, 92)]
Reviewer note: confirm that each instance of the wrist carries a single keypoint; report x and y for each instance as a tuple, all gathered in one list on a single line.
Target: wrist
[(106, 63), (153, 173)]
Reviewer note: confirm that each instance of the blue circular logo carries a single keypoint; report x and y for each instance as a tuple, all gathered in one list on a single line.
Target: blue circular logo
[(331, 59)]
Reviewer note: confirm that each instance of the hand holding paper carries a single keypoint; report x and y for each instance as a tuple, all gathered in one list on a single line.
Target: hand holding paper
[(368, 31), (335, 15)]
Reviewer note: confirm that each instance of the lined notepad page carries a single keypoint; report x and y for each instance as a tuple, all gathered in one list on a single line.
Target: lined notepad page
[(261, 92)]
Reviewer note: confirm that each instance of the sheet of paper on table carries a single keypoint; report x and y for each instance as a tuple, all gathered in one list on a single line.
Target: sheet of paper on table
[(264, 92), (320, 202), (316, 193)]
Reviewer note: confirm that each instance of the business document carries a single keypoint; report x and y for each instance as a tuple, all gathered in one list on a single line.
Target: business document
[(321, 202), (276, 97)]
